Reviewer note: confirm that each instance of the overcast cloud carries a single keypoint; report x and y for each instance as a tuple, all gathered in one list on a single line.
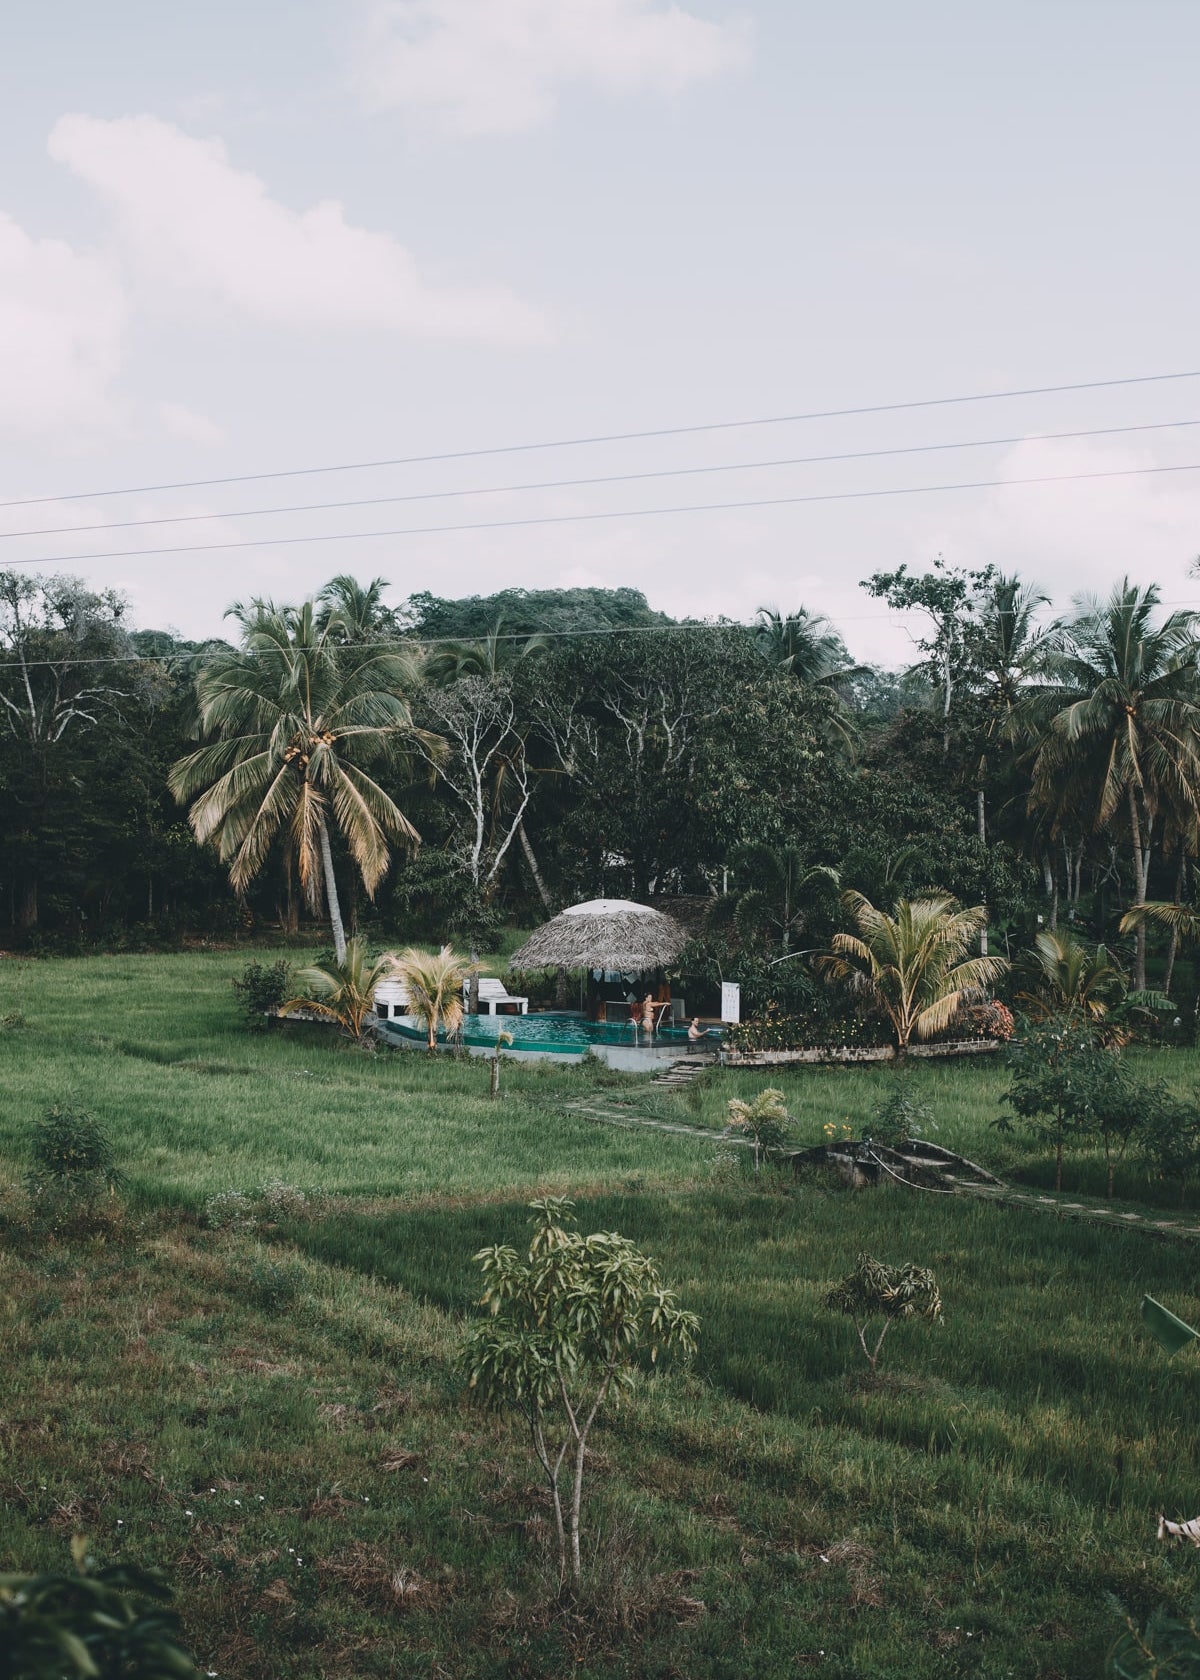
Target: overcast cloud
[(243, 240)]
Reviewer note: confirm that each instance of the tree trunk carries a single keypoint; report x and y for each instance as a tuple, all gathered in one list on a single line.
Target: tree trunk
[(495, 1090), (1173, 947), (534, 870), (473, 983), (331, 895), (981, 805), (1141, 869), (1058, 1152), (27, 904)]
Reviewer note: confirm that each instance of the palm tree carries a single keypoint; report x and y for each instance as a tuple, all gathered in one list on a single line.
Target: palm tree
[(912, 965), (295, 716), (358, 609), (1012, 653), (435, 987), (789, 889), (343, 991), (1062, 974), (806, 646), (1121, 716)]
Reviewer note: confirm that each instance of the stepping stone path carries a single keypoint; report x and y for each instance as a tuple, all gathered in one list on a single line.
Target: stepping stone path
[(682, 1072), (620, 1114)]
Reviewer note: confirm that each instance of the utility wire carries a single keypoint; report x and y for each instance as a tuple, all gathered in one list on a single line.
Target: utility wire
[(590, 518), (608, 478), (611, 437)]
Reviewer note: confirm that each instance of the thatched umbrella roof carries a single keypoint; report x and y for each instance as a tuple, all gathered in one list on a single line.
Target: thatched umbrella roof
[(610, 933)]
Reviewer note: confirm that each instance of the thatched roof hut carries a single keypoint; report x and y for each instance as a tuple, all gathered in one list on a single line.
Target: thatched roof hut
[(607, 933)]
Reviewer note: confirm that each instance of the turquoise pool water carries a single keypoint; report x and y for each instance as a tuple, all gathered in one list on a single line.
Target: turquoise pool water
[(555, 1033)]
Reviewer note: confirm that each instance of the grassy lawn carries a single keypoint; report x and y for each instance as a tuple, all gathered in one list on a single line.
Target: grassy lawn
[(276, 1417)]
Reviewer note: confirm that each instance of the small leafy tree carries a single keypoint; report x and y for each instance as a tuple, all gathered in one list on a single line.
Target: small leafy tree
[(764, 1121), (73, 1164), (875, 1291), (1170, 1137), (569, 1322), (1168, 1648), (502, 1039), (901, 1115), (343, 991), (435, 988), (1120, 1114), (260, 990), (1060, 1073), (90, 1624)]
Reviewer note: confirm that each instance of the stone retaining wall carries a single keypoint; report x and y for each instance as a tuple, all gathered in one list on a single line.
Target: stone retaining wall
[(846, 1053)]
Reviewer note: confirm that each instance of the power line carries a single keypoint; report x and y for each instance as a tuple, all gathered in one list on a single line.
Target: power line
[(589, 518), (608, 478), (610, 437)]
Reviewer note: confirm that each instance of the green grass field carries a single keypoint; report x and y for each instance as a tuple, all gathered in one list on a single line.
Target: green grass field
[(275, 1415)]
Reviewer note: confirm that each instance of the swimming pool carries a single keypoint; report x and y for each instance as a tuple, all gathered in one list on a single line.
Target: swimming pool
[(559, 1034)]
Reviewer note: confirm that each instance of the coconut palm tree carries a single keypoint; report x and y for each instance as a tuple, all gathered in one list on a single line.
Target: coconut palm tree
[(343, 991), (295, 717), (435, 987), (1121, 722), (1061, 974), (358, 609), (789, 889), (913, 965), (806, 646)]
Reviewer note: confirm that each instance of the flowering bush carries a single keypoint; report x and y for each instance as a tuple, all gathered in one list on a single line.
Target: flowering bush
[(773, 1030), (982, 1020)]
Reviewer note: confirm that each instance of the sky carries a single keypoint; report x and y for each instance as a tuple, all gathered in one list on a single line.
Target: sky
[(247, 240)]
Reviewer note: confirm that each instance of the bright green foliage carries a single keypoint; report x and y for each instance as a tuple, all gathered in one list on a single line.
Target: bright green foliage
[(261, 988), (95, 1624), (1061, 1075), (569, 1323), (913, 965), (1167, 1649), (764, 1120), (343, 991), (874, 1290), (435, 987)]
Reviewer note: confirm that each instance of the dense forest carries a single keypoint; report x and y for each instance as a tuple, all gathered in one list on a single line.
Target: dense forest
[(498, 757)]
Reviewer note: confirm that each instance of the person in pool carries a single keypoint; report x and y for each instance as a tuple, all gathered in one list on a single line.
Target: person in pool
[(696, 1032)]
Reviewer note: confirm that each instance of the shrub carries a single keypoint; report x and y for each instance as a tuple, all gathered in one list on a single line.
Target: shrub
[(774, 1030), (241, 1210), (1168, 1648), (764, 1121), (982, 1020), (1060, 1075), (874, 1290), (269, 1284), (900, 1115), (73, 1166), (260, 990), (97, 1621), (1170, 1137)]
